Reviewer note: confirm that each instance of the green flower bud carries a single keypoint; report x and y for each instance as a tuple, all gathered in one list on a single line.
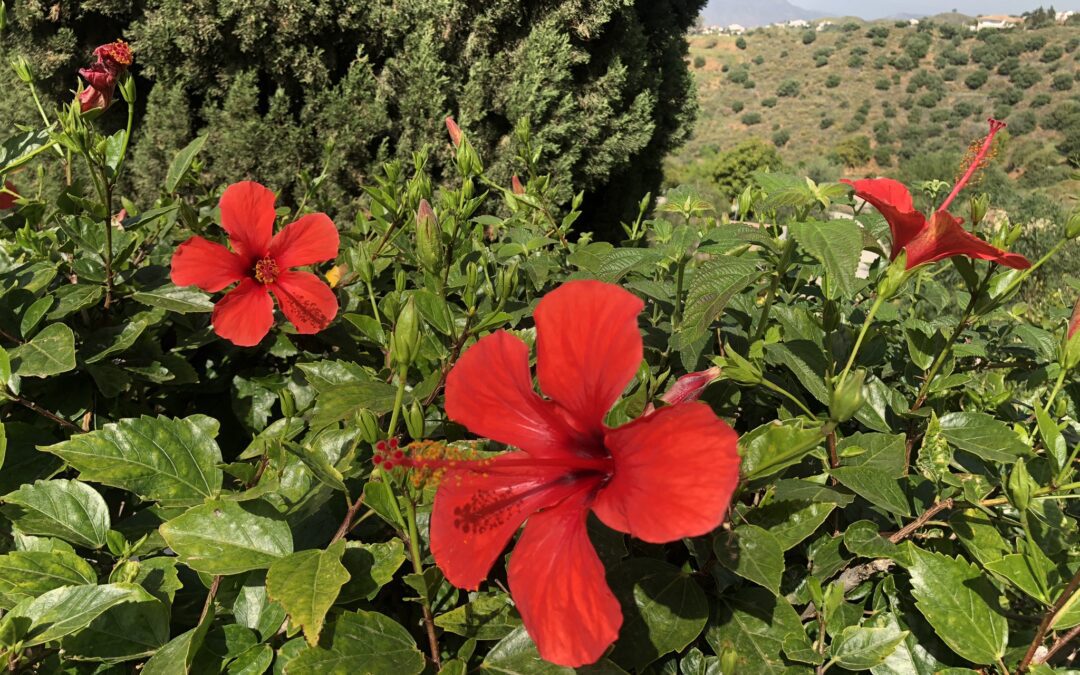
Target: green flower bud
[(979, 207), (365, 269), (124, 573), (1021, 486), (729, 660), (738, 369), (896, 275), (401, 281), (506, 282), (472, 284), (847, 397), (1072, 225), (428, 238), (414, 420), (368, 425), (22, 69), (405, 342), (746, 202)]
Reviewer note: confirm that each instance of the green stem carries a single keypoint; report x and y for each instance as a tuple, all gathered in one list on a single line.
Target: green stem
[(399, 397), (774, 287), (676, 313), (867, 322), (1029, 271), (127, 140), (108, 246), (1056, 390), (374, 305), (786, 394), (418, 568)]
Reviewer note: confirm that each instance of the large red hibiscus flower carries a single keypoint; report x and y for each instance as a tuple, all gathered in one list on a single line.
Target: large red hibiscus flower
[(261, 261), (667, 475), (943, 235)]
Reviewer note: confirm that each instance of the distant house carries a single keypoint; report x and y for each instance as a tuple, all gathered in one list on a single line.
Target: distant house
[(999, 22), (736, 29), (824, 25), (913, 22), (1062, 17), (798, 23)]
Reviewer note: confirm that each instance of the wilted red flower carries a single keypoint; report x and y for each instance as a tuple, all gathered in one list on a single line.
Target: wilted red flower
[(942, 236), (515, 186), (454, 130), (661, 477), (262, 266), (113, 60), (8, 195)]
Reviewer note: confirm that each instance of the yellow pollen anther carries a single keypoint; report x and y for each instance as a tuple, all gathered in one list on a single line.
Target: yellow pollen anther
[(266, 271)]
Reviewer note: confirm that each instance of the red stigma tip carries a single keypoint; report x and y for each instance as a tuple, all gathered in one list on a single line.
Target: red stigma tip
[(381, 446), (377, 459), (394, 443), (996, 125), (388, 465), (399, 455)]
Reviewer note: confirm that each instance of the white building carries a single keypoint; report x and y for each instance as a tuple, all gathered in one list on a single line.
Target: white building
[(1062, 17), (798, 23), (999, 22), (736, 29), (824, 25)]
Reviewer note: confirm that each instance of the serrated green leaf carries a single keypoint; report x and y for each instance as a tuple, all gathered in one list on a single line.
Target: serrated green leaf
[(486, 617), (227, 537), (752, 553), (69, 609), (712, 287), (181, 163), (181, 300), (838, 246), (959, 602), (983, 436), (174, 461), (307, 584), (755, 625), (28, 574), (51, 352), (361, 642), (67, 509), (862, 647), (875, 486)]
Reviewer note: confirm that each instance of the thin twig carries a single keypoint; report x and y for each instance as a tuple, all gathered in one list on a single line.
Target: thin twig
[(210, 598), (1044, 625), (1059, 644), (347, 523), (906, 531), (44, 413)]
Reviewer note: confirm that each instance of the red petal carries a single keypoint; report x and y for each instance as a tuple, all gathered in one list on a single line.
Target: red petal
[(675, 473), (247, 214), (245, 314), (893, 200), (210, 266), (477, 511), (311, 239), (7, 199), (946, 238), (588, 347), (490, 392), (1074, 321), (305, 300), (558, 584)]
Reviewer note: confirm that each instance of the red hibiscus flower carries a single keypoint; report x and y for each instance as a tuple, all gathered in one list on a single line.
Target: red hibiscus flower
[(689, 387), (664, 476), (942, 236), (113, 60), (262, 264), (8, 196)]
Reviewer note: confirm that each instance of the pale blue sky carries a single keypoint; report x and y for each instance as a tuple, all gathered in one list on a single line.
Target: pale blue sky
[(879, 8)]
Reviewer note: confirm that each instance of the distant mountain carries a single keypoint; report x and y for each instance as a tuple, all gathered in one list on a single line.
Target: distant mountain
[(754, 13)]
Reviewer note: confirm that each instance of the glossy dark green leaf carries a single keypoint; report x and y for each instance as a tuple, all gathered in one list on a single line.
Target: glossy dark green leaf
[(51, 352), (174, 461), (486, 617), (863, 647), (361, 642), (306, 584), (712, 287), (181, 163), (982, 435), (68, 509), (227, 537), (28, 574), (181, 300), (69, 609), (370, 566), (838, 246), (753, 553), (754, 624)]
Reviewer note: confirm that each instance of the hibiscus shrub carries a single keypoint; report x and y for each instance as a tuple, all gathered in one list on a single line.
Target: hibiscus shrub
[(792, 441)]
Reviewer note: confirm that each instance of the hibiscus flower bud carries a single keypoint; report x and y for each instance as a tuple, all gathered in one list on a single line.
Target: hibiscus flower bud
[(1072, 225), (472, 284), (979, 207), (1020, 487), (741, 370), (515, 186), (847, 397), (113, 60), (22, 69), (1070, 345), (414, 420), (428, 238), (454, 130), (894, 277), (405, 342), (368, 425), (690, 387), (506, 283)]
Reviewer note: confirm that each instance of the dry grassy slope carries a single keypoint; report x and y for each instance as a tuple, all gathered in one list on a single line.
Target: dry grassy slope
[(719, 128)]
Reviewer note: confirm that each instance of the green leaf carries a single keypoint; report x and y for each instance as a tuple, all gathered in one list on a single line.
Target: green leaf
[(254, 661), (486, 617), (983, 436), (123, 633), (51, 352), (875, 486), (174, 461), (67, 509), (370, 566), (752, 553), (775, 446), (307, 584), (754, 625), (884, 452), (182, 300), (176, 656), (227, 537), (862, 648), (343, 401), (362, 642), (181, 164), (979, 536), (790, 522), (1028, 573), (838, 246), (863, 539), (21, 148), (113, 340), (74, 297), (664, 610), (959, 602), (1053, 440), (66, 610), (711, 288), (34, 314), (28, 574), (516, 654), (909, 658)]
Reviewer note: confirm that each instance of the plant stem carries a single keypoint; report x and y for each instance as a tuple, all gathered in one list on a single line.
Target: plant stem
[(867, 322), (209, 604), (399, 397), (1059, 643), (676, 313), (906, 531), (347, 524), (1044, 625), (1056, 390), (108, 245), (374, 305), (30, 405), (418, 568), (786, 394), (774, 287)]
